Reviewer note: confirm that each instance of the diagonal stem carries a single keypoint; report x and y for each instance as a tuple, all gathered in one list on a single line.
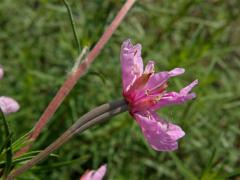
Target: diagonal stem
[(73, 78), (91, 118)]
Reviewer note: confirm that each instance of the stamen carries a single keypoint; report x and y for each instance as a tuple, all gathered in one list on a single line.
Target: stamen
[(148, 115), (147, 92), (157, 99), (140, 82), (159, 89)]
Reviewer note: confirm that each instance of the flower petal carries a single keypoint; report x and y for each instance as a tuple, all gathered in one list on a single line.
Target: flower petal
[(176, 72), (175, 131), (188, 88), (1, 72), (171, 98), (161, 135), (160, 78), (131, 61), (157, 82), (8, 105), (149, 69), (95, 175), (98, 175)]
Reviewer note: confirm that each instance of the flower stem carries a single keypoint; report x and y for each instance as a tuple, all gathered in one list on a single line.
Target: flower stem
[(73, 77), (91, 118)]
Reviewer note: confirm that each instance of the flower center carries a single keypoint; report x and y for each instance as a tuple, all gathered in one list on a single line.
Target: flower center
[(151, 98), (138, 84)]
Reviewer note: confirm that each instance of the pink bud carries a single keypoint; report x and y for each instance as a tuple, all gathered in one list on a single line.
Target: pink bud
[(8, 105)]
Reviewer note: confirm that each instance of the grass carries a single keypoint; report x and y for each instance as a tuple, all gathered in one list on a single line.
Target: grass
[(38, 50)]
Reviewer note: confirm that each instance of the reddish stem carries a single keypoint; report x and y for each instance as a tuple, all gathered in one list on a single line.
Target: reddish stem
[(74, 77)]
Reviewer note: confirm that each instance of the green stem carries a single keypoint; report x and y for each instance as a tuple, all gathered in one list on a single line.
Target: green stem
[(72, 24)]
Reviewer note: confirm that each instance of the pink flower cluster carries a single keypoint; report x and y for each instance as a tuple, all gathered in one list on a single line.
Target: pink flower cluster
[(146, 91), (7, 104)]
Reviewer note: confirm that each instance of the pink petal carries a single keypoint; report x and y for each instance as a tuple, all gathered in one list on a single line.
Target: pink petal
[(149, 69), (1, 72), (174, 131), (161, 135), (176, 72), (188, 88), (8, 105), (95, 175), (98, 175), (131, 61), (159, 78), (172, 98)]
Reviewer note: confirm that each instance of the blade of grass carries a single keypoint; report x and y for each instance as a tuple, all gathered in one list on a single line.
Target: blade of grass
[(182, 168), (72, 24), (209, 165), (24, 158), (60, 164), (8, 145), (21, 142), (3, 146)]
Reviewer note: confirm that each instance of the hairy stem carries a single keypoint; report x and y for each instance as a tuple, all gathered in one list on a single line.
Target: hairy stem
[(73, 78), (91, 118)]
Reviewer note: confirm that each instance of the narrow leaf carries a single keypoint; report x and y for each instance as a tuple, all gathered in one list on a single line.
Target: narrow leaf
[(8, 145)]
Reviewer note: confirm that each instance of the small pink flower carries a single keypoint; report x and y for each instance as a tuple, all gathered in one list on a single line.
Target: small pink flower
[(145, 92), (95, 175), (7, 104)]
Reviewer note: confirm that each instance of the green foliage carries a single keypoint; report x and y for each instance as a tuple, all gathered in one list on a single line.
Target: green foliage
[(6, 148), (37, 49)]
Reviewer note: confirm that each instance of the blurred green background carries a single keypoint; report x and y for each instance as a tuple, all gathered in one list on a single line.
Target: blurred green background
[(38, 50)]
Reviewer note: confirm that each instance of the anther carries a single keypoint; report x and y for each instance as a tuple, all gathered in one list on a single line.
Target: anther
[(147, 92)]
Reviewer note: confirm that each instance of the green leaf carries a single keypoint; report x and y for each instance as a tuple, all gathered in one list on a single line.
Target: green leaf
[(21, 142), (209, 165), (25, 157), (49, 167)]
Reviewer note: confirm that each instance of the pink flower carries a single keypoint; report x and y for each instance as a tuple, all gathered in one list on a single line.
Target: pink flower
[(145, 92), (7, 104), (95, 175)]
